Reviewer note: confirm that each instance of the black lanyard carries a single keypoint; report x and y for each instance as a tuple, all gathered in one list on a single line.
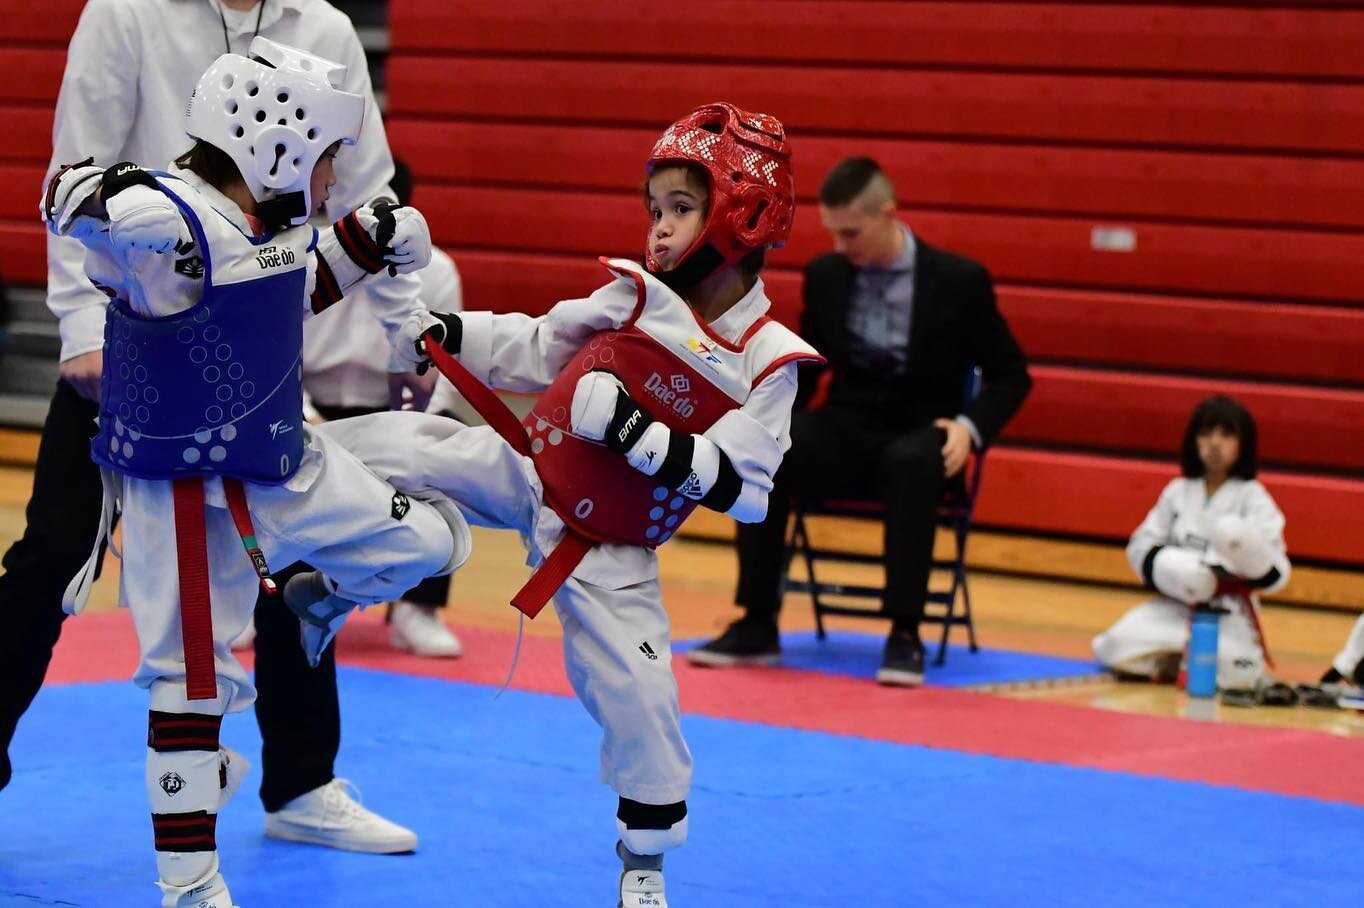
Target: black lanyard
[(223, 19)]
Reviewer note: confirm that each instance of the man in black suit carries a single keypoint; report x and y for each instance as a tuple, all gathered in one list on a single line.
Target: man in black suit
[(901, 324)]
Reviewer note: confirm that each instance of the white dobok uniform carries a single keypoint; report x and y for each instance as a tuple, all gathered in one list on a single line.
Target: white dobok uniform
[(345, 348), (616, 635), (1182, 539), (333, 512)]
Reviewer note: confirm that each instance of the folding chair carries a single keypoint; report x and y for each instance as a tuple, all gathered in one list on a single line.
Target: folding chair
[(954, 513)]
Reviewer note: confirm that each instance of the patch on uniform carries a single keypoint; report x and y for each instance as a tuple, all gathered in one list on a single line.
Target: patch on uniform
[(400, 506), (648, 651), (192, 267), (171, 783)]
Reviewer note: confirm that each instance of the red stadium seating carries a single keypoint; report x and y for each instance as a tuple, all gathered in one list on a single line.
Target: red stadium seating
[(1098, 182), (31, 74), (1126, 38), (1123, 110), (1106, 497), (1226, 141), (28, 136), (1125, 412), (1269, 263)]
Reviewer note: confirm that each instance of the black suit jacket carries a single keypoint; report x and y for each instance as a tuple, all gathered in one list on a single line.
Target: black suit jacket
[(956, 324)]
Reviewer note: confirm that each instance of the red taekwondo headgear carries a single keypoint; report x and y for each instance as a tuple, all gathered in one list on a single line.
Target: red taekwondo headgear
[(747, 162)]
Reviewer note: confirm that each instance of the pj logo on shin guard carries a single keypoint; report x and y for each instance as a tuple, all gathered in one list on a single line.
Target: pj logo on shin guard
[(171, 783)]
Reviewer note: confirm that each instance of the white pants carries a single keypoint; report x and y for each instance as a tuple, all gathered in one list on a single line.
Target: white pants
[(339, 517), (1348, 659), (616, 639), (1160, 627)]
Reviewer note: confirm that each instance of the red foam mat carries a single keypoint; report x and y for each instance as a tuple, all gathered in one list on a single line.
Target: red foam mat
[(1283, 761)]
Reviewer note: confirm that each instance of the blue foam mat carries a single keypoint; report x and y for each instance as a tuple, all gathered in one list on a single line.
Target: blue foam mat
[(506, 798), (858, 655)]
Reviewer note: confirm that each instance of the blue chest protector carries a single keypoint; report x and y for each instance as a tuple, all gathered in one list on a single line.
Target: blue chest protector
[(215, 390)]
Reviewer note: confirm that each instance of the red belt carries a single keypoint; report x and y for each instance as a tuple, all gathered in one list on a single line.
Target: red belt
[(191, 553)]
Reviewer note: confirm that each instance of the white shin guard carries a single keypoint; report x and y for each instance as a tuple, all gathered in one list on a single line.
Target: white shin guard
[(652, 841), (208, 890)]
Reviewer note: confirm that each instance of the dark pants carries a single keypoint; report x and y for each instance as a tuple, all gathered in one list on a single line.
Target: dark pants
[(852, 453), (297, 706), (433, 591)]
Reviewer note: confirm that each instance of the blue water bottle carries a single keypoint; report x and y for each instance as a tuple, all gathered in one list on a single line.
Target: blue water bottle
[(1202, 674)]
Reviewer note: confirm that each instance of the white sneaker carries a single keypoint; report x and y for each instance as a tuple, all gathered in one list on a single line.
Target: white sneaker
[(418, 629), (246, 637), (330, 815), (642, 889)]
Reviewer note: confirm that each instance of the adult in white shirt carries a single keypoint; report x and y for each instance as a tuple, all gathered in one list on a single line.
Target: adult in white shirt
[(130, 67), (1214, 536), (344, 378)]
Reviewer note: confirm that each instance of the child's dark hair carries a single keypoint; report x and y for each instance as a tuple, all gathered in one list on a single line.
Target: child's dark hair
[(1220, 412), (211, 163), (216, 168), (751, 265)]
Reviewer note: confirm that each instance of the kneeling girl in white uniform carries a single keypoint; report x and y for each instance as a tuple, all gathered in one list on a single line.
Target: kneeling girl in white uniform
[(201, 436), (1214, 536), (667, 388)]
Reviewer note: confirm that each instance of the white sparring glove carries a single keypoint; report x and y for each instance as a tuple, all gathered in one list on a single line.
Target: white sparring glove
[(64, 193), (1182, 575), (1243, 552), (384, 235), (594, 404), (409, 348)]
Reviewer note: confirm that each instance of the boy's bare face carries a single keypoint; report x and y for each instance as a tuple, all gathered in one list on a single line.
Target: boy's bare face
[(323, 178), (677, 215)]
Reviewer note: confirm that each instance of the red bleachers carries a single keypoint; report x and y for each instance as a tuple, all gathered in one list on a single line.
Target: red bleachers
[(1105, 497), (1169, 38), (28, 137), (31, 74), (1277, 264), (1099, 182), (1121, 411), (1228, 140), (48, 23), (1127, 110), (1243, 338)]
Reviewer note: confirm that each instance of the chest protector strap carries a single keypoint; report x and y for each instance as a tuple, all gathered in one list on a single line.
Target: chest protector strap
[(556, 568)]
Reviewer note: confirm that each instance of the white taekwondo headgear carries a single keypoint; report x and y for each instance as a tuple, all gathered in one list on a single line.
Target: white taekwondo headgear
[(274, 114)]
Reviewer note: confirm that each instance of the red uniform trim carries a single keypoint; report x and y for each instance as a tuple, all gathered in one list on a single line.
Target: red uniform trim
[(783, 360)]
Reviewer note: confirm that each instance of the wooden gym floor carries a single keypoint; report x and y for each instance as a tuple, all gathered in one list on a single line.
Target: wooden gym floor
[(1032, 615)]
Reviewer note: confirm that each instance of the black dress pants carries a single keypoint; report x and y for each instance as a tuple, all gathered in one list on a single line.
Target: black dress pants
[(844, 452), (297, 706)]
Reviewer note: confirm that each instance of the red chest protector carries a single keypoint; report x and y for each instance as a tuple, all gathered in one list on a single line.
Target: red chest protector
[(676, 368)]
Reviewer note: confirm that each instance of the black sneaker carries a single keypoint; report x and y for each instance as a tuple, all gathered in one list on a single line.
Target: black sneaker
[(903, 662), (744, 643)]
